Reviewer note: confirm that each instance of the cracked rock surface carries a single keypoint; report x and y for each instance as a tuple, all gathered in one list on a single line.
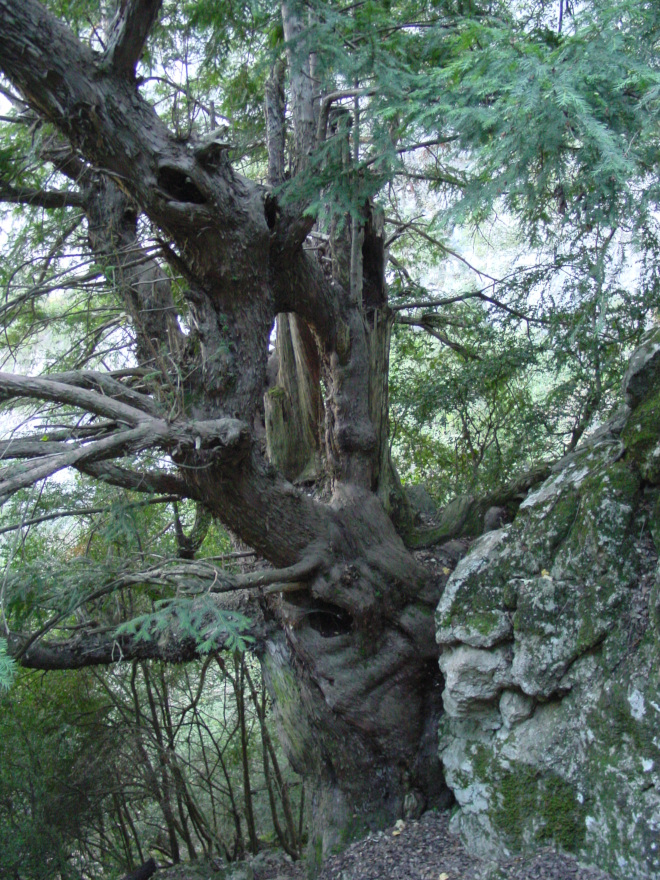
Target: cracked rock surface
[(550, 646)]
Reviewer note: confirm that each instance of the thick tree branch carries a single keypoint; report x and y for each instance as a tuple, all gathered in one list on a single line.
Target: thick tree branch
[(108, 386), (102, 114), (121, 442), (129, 32), (38, 198), (138, 481), (275, 111), (214, 218), (201, 442), (13, 385), (301, 83), (101, 649)]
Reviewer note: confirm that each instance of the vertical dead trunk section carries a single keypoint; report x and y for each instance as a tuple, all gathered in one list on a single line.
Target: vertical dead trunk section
[(292, 407), (378, 323), (301, 82)]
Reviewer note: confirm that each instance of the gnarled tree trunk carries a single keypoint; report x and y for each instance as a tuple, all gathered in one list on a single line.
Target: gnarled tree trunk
[(349, 654)]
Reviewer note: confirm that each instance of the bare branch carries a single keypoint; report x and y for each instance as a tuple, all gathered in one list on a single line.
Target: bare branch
[(123, 441), (83, 511), (441, 337), (130, 30), (433, 303), (13, 385), (39, 198), (110, 386), (414, 227)]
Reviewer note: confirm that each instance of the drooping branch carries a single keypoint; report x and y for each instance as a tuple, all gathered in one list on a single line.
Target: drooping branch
[(129, 32), (104, 645), (426, 323), (326, 107), (83, 511)]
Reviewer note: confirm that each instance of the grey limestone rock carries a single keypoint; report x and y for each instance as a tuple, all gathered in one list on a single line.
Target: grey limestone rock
[(420, 500), (549, 631), (643, 373), (515, 707)]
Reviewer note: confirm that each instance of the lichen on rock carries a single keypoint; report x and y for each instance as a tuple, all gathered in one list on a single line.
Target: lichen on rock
[(550, 646)]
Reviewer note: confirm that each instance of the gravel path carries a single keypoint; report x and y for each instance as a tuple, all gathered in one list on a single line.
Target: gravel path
[(425, 850)]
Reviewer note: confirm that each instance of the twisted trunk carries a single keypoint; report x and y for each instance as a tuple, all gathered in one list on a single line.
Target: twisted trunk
[(350, 655)]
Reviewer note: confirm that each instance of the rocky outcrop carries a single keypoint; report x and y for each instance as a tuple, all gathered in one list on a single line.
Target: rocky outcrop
[(550, 649)]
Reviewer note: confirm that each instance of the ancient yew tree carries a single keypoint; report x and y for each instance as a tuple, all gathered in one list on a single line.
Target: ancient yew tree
[(248, 373), (348, 615)]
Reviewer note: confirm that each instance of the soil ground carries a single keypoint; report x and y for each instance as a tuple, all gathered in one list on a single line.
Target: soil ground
[(426, 850)]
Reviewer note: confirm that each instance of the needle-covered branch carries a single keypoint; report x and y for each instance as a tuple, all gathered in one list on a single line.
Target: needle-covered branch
[(102, 649), (196, 580)]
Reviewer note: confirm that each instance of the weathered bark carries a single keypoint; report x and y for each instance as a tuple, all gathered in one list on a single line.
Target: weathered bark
[(302, 85), (352, 664), (140, 281), (292, 407)]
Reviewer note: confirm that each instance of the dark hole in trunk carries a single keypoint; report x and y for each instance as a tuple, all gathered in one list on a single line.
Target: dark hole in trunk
[(329, 620), (179, 186), (271, 210)]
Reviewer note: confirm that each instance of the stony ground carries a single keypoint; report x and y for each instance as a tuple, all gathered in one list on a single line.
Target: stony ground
[(425, 850)]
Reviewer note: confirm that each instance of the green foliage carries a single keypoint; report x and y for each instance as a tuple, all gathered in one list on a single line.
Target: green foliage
[(47, 776), (465, 426), (517, 168), (7, 667), (92, 759), (199, 619)]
